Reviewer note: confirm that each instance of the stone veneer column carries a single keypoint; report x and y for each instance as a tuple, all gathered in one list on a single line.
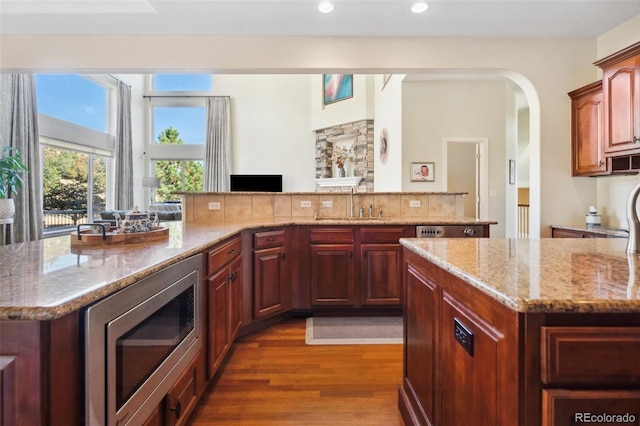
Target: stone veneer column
[(361, 133)]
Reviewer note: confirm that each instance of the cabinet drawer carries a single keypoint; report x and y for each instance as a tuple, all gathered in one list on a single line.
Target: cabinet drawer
[(568, 407), (269, 239), (381, 235), (590, 355), (182, 398), (331, 235), (222, 255)]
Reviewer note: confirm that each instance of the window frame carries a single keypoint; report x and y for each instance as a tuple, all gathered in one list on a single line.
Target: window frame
[(61, 134), (158, 152)]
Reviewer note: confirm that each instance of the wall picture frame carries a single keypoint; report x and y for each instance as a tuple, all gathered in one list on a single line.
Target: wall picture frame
[(423, 171), (336, 87)]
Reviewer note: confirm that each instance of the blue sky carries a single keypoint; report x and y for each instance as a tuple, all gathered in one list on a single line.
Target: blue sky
[(73, 98)]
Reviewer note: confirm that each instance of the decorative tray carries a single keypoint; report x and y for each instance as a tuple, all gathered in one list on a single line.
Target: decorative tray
[(89, 238)]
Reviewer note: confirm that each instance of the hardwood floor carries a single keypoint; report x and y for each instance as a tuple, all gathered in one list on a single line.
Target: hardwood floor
[(273, 378)]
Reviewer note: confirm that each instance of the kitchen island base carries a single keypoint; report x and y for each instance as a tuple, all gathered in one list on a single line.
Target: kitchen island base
[(471, 360)]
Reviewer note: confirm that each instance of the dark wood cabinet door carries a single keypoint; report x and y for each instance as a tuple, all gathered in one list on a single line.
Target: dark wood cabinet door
[(622, 98), (218, 330), (269, 275), (235, 298), (470, 367), (333, 275), (587, 131), (422, 309), (380, 271), (183, 396)]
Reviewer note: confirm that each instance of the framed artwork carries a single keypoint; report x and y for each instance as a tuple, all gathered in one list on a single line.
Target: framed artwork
[(512, 172), (423, 171), (337, 87)]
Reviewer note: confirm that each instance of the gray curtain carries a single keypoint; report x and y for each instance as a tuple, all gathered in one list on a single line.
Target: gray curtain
[(123, 151), (19, 129), (217, 151)]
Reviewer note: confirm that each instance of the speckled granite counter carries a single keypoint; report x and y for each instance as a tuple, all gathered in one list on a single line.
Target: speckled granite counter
[(603, 230), (46, 279), (542, 275)]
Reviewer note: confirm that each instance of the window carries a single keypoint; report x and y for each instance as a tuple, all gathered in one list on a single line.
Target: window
[(178, 176), (73, 122), (187, 124), (178, 125), (72, 98)]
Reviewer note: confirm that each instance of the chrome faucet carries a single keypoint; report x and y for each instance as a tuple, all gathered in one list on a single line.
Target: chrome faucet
[(633, 244)]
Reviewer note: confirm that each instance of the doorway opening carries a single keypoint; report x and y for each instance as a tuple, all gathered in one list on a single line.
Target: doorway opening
[(466, 164)]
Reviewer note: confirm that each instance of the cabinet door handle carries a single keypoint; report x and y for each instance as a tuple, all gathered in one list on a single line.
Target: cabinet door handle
[(636, 139), (600, 163), (177, 409), (284, 256), (233, 276)]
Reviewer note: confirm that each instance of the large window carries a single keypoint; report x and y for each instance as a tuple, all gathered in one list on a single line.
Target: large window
[(76, 146), (178, 125)]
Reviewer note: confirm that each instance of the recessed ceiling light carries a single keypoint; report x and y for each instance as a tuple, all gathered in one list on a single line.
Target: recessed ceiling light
[(419, 7), (325, 7)]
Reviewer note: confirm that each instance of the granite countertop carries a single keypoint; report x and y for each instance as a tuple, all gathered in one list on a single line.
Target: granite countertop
[(542, 275), (47, 279), (604, 230)]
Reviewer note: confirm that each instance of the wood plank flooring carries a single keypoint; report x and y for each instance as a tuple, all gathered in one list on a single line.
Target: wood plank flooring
[(272, 378)]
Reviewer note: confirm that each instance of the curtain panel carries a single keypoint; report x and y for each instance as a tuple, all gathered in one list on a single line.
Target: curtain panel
[(123, 150), (217, 151), (19, 129)]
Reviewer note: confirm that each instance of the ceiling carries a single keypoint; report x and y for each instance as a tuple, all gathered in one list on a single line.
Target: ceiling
[(475, 18)]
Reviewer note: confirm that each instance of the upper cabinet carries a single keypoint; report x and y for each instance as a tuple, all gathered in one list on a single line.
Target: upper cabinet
[(621, 91), (605, 118), (587, 131)]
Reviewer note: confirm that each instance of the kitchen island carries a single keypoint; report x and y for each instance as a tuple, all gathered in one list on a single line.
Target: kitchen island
[(47, 284), (526, 332)]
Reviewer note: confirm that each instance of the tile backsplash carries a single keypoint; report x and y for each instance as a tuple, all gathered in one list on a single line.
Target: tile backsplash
[(242, 207)]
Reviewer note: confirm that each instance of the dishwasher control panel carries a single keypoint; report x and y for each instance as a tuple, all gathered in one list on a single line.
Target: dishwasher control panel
[(450, 231)]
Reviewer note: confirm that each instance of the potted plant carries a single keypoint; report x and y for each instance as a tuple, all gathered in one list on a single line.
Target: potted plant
[(11, 170)]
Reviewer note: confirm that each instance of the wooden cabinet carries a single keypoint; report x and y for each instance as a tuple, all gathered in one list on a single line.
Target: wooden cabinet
[(460, 351), (587, 131), (356, 266), (224, 300), (596, 369), (270, 274), (621, 89), (333, 267), (381, 265), (183, 396)]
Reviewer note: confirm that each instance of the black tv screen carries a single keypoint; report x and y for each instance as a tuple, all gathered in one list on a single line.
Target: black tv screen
[(256, 183)]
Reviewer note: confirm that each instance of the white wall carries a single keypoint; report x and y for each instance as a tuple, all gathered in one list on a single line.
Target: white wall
[(548, 68), (271, 126), (433, 110), (388, 115)]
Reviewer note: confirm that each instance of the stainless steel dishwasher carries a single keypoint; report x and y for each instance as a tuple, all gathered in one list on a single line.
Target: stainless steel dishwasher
[(450, 231)]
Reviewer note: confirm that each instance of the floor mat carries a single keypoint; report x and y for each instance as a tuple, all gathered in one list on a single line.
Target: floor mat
[(354, 330)]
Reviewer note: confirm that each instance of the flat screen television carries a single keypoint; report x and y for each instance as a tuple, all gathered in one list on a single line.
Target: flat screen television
[(256, 183)]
